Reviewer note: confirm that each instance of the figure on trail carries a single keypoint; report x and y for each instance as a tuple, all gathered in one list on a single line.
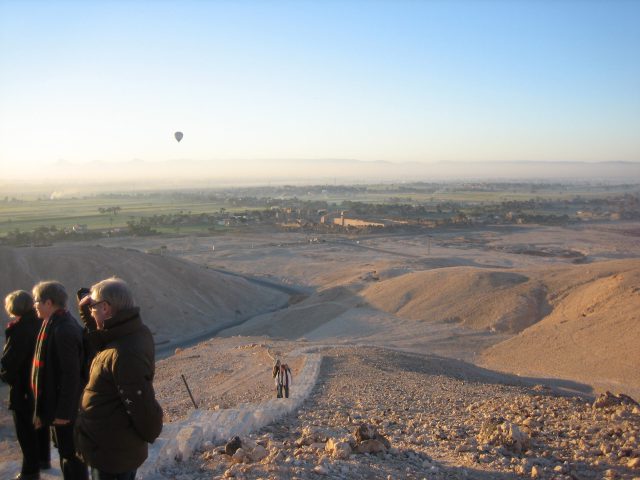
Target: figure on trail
[(276, 373), (57, 374), (20, 344), (282, 376), (119, 414), (285, 375)]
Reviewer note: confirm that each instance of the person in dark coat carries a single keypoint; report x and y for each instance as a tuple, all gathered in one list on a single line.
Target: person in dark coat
[(285, 379), (276, 378), (119, 414), (15, 369), (57, 374), (282, 377)]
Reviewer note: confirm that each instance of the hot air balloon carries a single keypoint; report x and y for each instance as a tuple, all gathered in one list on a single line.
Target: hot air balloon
[(178, 136)]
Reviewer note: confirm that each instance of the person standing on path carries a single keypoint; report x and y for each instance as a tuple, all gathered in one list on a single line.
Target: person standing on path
[(285, 379), (119, 414), (15, 369), (57, 374), (276, 377), (282, 377)]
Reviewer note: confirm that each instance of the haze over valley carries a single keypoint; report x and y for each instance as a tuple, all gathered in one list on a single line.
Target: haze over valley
[(430, 211)]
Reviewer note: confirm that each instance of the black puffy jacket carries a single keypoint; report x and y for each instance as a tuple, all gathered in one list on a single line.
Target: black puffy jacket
[(119, 414), (17, 358)]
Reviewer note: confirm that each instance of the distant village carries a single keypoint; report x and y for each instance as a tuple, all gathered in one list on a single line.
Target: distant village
[(351, 209)]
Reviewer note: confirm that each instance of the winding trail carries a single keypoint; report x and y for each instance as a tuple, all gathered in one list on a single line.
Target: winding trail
[(167, 349)]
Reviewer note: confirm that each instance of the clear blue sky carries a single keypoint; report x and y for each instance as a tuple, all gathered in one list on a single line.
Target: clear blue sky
[(424, 81)]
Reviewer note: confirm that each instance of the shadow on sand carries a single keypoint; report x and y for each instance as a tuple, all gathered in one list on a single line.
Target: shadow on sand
[(461, 370)]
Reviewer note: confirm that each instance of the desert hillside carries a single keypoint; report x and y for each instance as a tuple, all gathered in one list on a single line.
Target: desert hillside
[(474, 298), (592, 334), (393, 324), (571, 321), (477, 298), (177, 298)]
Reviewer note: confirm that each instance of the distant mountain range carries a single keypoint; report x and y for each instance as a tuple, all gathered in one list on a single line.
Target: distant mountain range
[(186, 172)]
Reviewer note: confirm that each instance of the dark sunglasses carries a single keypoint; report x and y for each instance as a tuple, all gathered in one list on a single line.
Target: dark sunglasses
[(94, 305)]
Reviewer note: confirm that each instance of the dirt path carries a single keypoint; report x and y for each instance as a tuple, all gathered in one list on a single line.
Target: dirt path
[(221, 373)]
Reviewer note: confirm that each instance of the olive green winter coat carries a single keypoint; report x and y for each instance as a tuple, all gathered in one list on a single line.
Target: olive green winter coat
[(119, 414)]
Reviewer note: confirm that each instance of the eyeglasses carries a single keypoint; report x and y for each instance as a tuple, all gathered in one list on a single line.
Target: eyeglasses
[(94, 306)]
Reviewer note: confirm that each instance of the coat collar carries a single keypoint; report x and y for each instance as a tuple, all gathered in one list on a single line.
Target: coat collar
[(123, 323)]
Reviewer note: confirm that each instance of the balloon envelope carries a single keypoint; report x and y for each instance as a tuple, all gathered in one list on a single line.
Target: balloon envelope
[(178, 136)]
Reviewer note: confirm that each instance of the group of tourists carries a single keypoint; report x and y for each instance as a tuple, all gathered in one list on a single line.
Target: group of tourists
[(90, 389)]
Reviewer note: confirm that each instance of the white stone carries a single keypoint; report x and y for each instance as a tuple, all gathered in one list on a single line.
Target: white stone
[(258, 453), (188, 439), (321, 470)]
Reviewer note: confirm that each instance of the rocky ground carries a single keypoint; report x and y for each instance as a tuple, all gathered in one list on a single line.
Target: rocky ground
[(377, 413)]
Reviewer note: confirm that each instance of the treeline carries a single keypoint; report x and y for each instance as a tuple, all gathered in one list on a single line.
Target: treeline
[(279, 192), (42, 236)]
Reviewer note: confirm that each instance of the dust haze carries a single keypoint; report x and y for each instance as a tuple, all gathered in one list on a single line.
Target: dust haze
[(79, 177)]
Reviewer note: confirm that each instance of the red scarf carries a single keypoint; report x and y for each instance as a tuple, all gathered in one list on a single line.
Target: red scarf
[(40, 354)]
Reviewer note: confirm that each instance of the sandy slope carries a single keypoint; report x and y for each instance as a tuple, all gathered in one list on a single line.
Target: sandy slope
[(576, 321), (591, 335), (177, 298), (477, 298)]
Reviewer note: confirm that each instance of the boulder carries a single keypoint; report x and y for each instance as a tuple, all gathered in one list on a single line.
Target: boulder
[(608, 399), (239, 456), (258, 453), (338, 449), (366, 432), (370, 446), (246, 454), (232, 446), (505, 434), (311, 435), (321, 470)]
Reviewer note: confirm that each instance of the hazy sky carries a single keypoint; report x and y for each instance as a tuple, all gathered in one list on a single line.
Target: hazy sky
[(86, 81)]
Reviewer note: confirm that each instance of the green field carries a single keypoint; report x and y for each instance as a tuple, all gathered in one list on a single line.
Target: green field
[(65, 213)]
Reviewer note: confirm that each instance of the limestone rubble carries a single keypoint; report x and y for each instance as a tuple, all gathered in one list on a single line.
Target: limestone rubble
[(377, 413)]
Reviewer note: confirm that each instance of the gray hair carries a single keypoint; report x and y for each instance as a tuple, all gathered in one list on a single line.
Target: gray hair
[(51, 290), (18, 303), (115, 292)]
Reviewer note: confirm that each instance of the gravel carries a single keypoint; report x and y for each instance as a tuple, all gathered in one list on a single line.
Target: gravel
[(433, 411)]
